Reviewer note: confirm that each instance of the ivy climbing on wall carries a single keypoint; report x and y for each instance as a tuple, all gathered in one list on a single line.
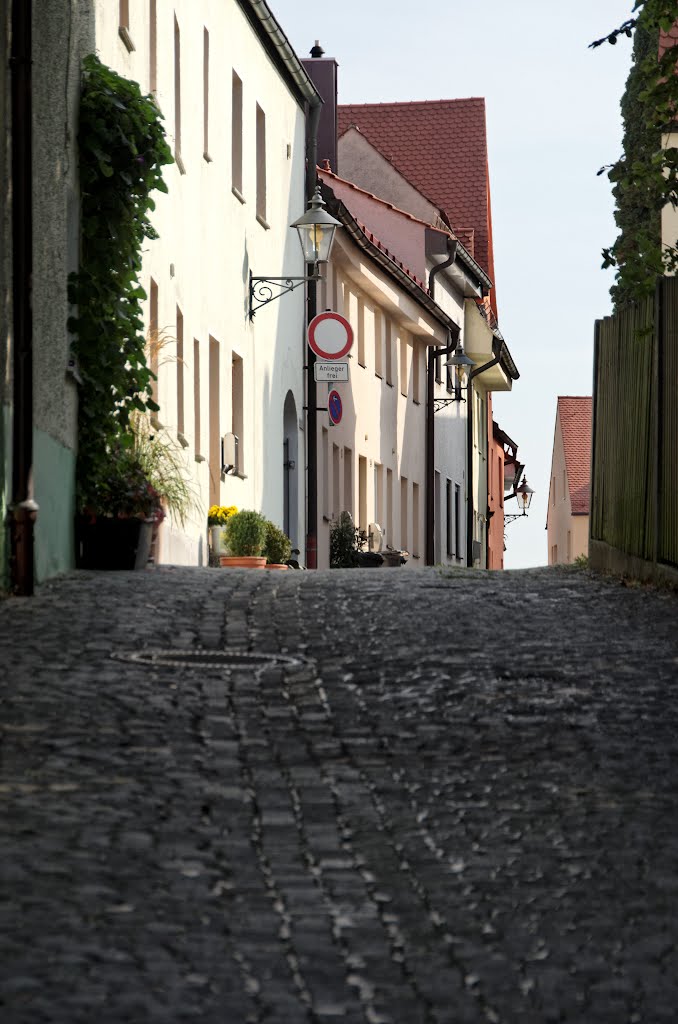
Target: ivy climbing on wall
[(645, 178), (122, 150)]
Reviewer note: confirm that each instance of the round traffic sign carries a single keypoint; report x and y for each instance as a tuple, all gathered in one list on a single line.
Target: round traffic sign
[(334, 407), (330, 335)]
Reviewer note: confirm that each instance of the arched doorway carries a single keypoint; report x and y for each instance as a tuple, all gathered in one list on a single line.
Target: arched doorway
[(290, 469)]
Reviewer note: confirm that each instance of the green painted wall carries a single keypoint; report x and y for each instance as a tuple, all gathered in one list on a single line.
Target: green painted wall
[(5, 489), (54, 475)]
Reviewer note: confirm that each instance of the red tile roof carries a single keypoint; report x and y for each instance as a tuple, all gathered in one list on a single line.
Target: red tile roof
[(575, 416), (441, 147)]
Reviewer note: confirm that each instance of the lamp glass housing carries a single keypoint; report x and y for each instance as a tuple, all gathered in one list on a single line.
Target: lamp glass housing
[(316, 230), (461, 365), (524, 494)]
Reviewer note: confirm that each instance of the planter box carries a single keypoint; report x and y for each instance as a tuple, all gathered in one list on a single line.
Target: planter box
[(112, 544), (242, 562)]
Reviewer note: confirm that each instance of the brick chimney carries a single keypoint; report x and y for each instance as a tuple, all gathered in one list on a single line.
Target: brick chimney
[(323, 73)]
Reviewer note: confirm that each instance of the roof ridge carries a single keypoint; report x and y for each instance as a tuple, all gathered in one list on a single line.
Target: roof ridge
[(413, 103)]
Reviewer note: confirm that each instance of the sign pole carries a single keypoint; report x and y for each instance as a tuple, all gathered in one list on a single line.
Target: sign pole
[(311, 437)]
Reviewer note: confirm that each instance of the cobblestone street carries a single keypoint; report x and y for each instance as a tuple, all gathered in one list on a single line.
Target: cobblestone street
[(447, 798)]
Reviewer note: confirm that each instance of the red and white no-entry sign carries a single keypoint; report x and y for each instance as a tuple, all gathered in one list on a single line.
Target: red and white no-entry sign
[(330, 335)]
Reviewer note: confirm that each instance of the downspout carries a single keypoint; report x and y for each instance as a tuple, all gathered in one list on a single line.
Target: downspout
[(309, 362), (433, 355), (23, 508), (469, 453)]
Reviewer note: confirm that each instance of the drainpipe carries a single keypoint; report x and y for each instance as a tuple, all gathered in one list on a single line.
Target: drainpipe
[(469, 452), (309, 361), (433, 355), (23, 508)]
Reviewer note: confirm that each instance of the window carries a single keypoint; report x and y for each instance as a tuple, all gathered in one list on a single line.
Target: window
[(500, 480), (123, 25), (215, 424), (569, 546), (404, 375), (236, 138), (361, 332), (553, 490), (261, 167), (206, 95), (348, 480), (196, 395), (152, 46), (457, 521), (378, 344), (379, 494), (449, 518), (336, 481), (180, 374), (388, 341), (325, 449), (416, 372), (415, 520), (554, 554), (153, 336), (362, 493), (237, 407), (403, 513), (564, 485), (389, 506), (177, 97)]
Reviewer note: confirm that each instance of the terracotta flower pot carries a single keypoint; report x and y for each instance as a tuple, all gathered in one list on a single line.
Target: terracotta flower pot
[(242, 562), (276, 565)]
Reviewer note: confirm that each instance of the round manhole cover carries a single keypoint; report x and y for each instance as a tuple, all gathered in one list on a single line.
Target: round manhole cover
[(223, 660)]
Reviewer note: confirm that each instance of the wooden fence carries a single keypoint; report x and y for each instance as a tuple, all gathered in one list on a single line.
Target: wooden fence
[(634, 477)]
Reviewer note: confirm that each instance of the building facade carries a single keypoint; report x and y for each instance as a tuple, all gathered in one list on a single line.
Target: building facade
[(567, 521)]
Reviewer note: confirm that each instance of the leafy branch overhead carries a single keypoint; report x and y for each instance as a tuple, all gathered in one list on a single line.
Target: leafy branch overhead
[(122, 150), (645, 178)]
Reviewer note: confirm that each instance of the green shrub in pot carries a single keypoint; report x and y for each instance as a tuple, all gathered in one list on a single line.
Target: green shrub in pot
[(278, 546), (245, 533)]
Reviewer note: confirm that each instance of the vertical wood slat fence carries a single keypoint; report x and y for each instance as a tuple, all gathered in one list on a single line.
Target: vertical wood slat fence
[(634, 476)]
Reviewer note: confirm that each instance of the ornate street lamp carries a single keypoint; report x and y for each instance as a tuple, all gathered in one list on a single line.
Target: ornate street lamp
[(460, 365), (316, 228), (523, 493)]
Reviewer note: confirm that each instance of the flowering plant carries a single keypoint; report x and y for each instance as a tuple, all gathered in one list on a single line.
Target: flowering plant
[(217, 515), (123, 490)]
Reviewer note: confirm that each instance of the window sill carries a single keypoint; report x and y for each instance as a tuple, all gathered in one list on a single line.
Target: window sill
[(180, 163), (326, 518), (360, 363), (415, 401), (389, 384), (199, 458), (238, 194), (264, 223), (379, 375), (181, 438), (123, 32), (206, 157)]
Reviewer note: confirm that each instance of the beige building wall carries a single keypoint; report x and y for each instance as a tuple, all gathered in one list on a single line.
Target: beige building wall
[(373, 463), (228, 375), (567, 534)]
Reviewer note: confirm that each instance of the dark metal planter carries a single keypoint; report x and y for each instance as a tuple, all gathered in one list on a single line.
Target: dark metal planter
[(112, 543)]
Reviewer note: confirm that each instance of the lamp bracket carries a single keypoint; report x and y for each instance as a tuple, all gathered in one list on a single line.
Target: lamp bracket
[(517, 515), (441, 403), (265, 289)]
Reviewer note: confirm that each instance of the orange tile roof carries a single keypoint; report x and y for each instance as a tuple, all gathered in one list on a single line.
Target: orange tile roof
[(440, 146), (575, 416)]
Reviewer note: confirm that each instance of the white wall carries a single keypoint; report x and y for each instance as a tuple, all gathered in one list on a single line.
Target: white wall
[(210, 240)]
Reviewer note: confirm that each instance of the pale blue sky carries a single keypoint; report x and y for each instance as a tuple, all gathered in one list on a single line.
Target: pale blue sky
[(552, 120)]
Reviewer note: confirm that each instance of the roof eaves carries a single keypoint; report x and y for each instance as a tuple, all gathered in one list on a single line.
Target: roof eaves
[(280, 49), (368, 244)]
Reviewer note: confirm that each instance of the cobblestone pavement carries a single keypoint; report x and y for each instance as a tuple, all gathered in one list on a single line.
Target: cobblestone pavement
[(453, 801)]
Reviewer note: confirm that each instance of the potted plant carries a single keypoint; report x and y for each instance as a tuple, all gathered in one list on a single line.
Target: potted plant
[(278, 547), (217, 516), (245, 536), (115, 528)]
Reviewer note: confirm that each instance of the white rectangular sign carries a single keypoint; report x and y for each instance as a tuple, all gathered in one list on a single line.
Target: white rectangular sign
[(330, 372)]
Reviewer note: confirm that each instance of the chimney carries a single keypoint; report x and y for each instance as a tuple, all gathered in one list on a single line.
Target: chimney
[(323, 74)]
